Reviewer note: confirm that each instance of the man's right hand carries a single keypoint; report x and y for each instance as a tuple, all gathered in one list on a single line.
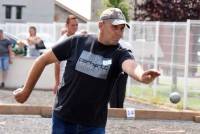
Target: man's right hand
[(20, 95)]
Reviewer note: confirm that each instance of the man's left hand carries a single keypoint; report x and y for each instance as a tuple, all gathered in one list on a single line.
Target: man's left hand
[(149, 75)]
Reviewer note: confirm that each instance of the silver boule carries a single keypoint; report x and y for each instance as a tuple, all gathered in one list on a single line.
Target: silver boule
[(174, 97)]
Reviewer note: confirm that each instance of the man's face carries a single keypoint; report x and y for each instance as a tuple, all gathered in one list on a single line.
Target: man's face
[(112, 33), (72, 26)]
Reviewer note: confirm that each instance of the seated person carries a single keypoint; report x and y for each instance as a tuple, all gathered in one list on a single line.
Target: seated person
[(33, 43)]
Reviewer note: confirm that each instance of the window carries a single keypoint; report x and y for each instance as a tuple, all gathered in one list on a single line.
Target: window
[(8, 12), (18, 12)]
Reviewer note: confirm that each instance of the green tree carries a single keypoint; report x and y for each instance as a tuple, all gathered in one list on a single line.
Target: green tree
[(121, 4)]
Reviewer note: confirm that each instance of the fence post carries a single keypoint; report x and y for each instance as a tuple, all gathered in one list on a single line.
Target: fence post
[(185, 94), (156, 55), (54, 31), (88, 26), (130, 36), (173, 66)]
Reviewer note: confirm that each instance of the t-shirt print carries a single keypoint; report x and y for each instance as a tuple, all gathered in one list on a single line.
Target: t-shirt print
[(93, 65)]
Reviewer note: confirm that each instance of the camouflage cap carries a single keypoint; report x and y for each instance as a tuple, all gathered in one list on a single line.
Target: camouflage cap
[(114, 15)]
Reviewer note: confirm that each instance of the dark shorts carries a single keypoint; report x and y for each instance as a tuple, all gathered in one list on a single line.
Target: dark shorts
[(61, 127)]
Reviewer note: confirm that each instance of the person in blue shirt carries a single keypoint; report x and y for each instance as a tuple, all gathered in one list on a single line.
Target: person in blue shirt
[(5, 56)]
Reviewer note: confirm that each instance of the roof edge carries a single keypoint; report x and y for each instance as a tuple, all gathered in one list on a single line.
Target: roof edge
[(71, 11)]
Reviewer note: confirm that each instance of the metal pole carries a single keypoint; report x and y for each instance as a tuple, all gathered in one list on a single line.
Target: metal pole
[(173, 61), (156, 55), (130, 41), (185, 94)]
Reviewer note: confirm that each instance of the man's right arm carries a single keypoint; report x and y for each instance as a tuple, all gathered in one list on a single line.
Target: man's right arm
[(22, 94)]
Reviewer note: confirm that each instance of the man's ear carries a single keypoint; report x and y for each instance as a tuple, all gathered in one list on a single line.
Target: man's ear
[(100, 24)]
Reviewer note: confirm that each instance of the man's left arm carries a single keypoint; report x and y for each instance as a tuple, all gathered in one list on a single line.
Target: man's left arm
[(136, 71)]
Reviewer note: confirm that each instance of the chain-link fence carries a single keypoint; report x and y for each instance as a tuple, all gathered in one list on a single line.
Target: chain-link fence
[(171, 47)]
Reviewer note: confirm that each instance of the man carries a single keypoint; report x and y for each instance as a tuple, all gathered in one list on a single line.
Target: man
[(93, 64), (70, 29), (5, 56)]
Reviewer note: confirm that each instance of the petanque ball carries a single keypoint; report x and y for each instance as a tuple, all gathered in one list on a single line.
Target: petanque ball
[(174, 97)]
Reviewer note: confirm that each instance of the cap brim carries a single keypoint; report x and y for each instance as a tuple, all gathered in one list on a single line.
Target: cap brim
[(119, 22)]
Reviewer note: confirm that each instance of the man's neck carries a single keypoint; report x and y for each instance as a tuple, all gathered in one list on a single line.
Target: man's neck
[(102, 40), (69, 34)]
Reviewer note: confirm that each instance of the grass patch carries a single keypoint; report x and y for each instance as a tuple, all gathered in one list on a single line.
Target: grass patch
[(162, 96)]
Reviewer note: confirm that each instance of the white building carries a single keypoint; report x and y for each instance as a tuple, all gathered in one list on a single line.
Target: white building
[(85, 10), (26, 11), (22, 11)]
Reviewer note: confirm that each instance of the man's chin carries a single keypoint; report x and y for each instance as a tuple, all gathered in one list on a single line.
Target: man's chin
[(115, 42)]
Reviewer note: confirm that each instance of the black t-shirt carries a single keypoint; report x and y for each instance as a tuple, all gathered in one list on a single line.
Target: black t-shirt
[(89, 76)]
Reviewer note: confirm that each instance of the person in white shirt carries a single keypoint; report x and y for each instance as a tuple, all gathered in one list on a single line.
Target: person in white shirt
[(33, 40), (70, 29)]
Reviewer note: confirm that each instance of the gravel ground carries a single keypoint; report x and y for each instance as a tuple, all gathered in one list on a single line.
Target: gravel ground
[(29, 124)]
